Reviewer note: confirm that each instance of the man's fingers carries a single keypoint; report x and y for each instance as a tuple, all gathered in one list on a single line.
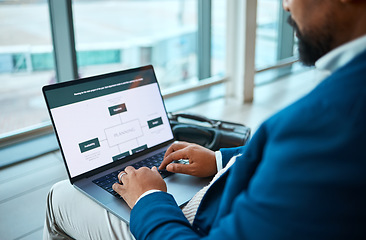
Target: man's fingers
[(120, 176), (180, 154), (118, 188), (175, 147), (179, 168), (130, 170), (121, 190), (156, 171)]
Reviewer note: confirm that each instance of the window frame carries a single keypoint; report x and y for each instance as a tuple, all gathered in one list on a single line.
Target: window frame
[(240, 58)]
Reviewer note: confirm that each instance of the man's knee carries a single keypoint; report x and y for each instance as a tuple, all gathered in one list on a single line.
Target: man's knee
[(58, 195)]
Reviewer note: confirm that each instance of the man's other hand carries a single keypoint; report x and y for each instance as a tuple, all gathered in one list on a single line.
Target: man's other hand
[(136, 182), (202, 161)]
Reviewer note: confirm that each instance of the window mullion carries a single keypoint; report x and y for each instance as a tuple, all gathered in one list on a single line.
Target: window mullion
[(204, 39), (63, 39)]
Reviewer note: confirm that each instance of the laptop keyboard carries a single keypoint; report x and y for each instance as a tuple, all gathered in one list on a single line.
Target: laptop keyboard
[(108, 180)]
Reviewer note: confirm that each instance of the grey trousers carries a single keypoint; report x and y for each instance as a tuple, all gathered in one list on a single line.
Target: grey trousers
[(71, 215)]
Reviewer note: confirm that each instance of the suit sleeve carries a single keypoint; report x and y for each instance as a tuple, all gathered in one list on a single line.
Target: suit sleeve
[(157, 216), (228, 153)]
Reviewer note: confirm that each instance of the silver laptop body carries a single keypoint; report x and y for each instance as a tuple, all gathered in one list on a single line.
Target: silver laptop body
[(107, 122)]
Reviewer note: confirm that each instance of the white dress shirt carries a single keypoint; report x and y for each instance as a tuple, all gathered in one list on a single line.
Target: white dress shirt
[(341, 55)]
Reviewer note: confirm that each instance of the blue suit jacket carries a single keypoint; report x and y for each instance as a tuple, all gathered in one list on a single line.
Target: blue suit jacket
[(302, 176)]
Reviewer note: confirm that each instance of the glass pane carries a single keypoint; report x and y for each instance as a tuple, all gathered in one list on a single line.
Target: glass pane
[(267, 42), (218, 37), (116, 35), (267, 33), (26, 63)]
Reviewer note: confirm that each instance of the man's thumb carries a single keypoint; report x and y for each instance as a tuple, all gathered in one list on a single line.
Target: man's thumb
[(177, 168)]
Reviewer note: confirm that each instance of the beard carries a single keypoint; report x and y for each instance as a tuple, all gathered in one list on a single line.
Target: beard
[(313, 44)]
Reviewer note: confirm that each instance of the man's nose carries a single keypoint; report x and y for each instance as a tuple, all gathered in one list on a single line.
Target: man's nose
[(285, 5)]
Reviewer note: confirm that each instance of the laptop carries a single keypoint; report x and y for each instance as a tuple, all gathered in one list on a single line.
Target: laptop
[(107, 122)]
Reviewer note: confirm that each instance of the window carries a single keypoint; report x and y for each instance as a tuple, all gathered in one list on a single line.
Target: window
[(113, 35), (109, 35), (267, 34), (116, 35), (167, 34), (26, 63), (275, 55)]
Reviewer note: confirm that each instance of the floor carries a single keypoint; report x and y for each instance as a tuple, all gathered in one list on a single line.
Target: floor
[(23, 187)]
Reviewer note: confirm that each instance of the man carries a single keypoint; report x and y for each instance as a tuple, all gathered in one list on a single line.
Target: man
[(302, 176)]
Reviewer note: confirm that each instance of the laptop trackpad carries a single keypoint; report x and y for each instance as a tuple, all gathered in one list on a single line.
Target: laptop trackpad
[(184, 187)]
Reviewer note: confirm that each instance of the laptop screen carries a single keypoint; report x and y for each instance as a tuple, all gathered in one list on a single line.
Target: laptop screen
[(103, 119)]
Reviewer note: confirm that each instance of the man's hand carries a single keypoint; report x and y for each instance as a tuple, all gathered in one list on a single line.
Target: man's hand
[(136, 182), (202, 161)]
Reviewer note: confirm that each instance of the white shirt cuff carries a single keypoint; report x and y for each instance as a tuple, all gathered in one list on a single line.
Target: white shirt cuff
[(218, 160), (147, 193)]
